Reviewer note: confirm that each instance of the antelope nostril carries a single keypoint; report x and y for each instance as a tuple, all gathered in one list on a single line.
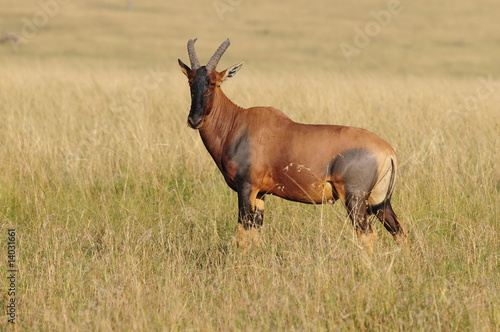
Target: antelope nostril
[(194, 123)]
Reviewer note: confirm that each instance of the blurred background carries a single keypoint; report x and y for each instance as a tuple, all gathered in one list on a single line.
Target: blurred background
[(388, 37)]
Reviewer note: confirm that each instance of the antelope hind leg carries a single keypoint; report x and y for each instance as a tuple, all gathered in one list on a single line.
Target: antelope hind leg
[(356, 207), (388, 218)]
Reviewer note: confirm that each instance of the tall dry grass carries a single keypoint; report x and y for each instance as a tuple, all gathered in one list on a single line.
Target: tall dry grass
[(124, 222)]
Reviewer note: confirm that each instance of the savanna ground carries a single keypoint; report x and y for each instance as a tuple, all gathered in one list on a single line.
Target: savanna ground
[(123, 221)]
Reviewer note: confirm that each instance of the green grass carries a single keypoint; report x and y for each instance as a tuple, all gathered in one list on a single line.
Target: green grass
[(124, 222)]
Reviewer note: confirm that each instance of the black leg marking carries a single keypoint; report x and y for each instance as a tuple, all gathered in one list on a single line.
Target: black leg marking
[(387, 217), (245, 210), (356, 207), (250, 209), (250, 217)]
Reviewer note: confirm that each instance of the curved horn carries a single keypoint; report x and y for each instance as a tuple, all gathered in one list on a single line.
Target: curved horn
[(217, 55), (195, 63)]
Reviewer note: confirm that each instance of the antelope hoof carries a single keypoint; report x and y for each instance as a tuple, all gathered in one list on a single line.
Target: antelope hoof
[(401, 240), (246, 238), (367, 241)]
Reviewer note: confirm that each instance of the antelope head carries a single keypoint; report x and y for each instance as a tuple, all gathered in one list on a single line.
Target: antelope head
[(204, 81)]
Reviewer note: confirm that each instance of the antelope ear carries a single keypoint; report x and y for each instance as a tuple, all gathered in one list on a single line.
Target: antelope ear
[(231, 71), (185, 69)]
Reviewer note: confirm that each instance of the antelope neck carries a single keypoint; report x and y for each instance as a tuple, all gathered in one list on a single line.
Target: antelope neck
[(219, 124)]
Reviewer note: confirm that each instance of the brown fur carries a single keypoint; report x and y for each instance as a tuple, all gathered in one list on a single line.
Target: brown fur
[(261, 151)]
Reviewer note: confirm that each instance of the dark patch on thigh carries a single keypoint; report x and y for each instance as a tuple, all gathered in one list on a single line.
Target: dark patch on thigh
[(356, 169)]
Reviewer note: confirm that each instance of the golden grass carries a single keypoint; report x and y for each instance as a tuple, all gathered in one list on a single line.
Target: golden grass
[(124, 222)]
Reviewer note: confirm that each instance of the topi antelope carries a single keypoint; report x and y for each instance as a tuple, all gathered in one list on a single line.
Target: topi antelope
[(261, 151)]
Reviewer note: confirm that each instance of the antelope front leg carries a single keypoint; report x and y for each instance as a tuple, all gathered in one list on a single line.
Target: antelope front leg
[(250, 217)]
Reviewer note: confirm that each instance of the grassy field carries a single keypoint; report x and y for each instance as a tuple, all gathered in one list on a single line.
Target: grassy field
[(123, 221)]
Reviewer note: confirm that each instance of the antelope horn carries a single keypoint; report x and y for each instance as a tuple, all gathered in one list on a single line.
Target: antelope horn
[(217, 55), (195, 63)]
